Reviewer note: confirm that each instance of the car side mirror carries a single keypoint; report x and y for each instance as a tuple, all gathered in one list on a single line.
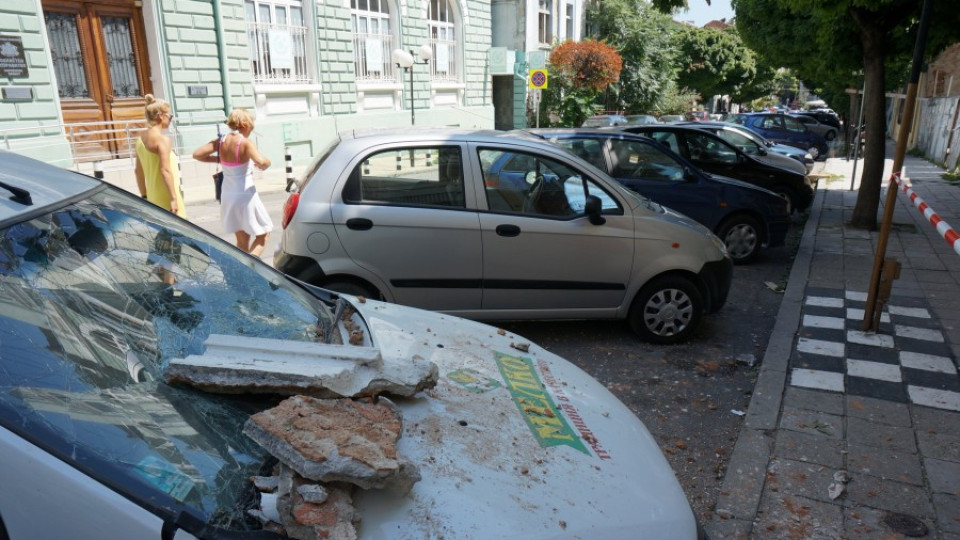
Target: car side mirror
[(761, 151), (689, 174), (594, 210)]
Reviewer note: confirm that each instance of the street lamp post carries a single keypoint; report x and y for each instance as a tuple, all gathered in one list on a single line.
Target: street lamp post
[(405, 60)]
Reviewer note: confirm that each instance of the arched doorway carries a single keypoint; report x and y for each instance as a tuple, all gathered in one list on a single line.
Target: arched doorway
[(102, 72)]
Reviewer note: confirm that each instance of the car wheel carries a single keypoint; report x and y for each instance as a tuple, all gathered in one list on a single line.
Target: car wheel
[(814, 151), (830, 135), (786, 194), (667, 310), (742, 236), (351, 287)]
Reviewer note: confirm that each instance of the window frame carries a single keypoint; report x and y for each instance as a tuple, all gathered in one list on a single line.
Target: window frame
[(304, 71), (545, 22), (442, 25), (352, 192), (389, 73)]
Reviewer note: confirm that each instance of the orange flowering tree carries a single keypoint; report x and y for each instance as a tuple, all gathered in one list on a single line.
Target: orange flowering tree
[(579, 72)]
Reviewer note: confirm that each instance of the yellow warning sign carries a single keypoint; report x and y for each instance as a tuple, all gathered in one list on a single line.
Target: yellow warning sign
[(538, 78)]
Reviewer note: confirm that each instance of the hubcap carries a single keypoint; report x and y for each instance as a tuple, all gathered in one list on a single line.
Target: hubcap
[(814, 151), (668, 312), (741, 240)]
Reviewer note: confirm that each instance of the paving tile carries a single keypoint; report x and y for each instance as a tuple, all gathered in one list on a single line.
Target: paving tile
[(914, 332), (878, 411), (806, 448), (812, 422), (796, 478), (928, 362), (816, 379), (944, 475), (918, 312), (938, 445), (814, 321), (870, 338), (948, 512), (931, 421), (887, 494), (824, 301), (873, 388), (858, 296), (885, 436), (785, 516), (864, 523), (857, 314), (931, 380), (884, 463), (873, 370), (932, 397), (826, 348), (814, 400)]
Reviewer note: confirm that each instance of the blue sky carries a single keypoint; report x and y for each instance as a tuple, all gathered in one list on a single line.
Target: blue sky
[(700, 13)]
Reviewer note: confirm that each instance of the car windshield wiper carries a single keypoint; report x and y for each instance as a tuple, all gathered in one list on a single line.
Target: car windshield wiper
[(21, 196)]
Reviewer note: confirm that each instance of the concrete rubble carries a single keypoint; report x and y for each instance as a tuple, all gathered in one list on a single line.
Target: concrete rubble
[(327, 448), (243, 365)]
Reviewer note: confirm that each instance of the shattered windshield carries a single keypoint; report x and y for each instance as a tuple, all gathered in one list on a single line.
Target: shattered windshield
[(95, 299)]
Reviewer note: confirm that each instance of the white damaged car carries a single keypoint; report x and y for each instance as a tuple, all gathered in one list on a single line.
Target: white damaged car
[(100, 291)]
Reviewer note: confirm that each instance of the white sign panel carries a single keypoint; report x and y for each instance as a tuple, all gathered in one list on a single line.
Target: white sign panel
[(281, 49), (374, 50), (443, 58)]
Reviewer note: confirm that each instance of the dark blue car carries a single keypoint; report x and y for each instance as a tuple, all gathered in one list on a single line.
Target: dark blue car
[(784, 129), (744, 216)]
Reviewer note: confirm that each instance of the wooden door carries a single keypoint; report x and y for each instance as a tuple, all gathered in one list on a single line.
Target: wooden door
[(102, 73)]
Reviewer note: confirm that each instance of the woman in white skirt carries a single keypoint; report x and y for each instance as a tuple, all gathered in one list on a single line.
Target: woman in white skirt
[(241, 211)]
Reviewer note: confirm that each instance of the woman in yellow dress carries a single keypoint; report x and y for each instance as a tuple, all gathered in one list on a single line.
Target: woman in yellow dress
[(158, 168)]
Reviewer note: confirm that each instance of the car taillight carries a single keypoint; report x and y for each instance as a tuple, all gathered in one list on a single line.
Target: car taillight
[(289, 209)]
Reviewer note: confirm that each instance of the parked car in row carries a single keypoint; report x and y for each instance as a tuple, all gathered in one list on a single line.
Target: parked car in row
[(826, 131), (745, 217), (715, 155), (494, 226), (671, 118), (751, 142), (784, 129), (824, 116), (100, 291), (641, 119), (606, 120)]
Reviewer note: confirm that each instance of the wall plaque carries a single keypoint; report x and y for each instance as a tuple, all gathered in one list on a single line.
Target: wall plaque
[(13, 61)]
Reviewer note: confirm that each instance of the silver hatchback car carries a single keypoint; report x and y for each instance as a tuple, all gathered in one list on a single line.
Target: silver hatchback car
[(497, 226)]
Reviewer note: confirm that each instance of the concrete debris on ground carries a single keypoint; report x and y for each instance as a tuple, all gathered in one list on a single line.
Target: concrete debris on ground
[(243, 365), (336, 441), (326, 448)]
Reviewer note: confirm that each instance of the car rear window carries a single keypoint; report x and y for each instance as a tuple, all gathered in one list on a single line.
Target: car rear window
[(96, 297)]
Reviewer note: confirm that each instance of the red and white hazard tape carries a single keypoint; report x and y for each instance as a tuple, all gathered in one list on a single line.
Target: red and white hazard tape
[(945, 230)]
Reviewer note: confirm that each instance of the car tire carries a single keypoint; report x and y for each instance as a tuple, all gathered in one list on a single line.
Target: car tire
[(785, 193), (743, 237), (351, 287), (830, 135), (814, 151), (667, 310)]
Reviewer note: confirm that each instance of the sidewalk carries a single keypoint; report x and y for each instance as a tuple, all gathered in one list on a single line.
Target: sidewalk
[(884, 407)]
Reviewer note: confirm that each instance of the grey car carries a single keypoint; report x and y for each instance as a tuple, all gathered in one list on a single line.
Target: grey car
[(497, 226)]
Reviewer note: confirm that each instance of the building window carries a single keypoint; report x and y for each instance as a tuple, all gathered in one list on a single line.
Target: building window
[(445, 65), (278, 41), (546, 22), (373, 41), (570, 22)]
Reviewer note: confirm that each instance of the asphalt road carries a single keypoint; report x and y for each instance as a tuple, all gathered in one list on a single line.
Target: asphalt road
[(691, 396)]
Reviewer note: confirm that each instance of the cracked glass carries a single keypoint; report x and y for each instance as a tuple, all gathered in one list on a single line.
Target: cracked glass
[(95, 299)]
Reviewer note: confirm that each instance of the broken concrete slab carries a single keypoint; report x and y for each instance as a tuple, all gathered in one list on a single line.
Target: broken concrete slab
[(239, 364), (336, 441)]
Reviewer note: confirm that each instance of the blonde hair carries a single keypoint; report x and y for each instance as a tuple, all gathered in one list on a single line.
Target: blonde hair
[(155, 107), (238, 118)]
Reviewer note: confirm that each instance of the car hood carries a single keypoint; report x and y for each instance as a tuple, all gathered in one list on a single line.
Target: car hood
[(775, 159), (740, 184), (515, 443)]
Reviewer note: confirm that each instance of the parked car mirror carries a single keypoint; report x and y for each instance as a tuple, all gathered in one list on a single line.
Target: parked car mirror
[(593, 209), (688, 174)]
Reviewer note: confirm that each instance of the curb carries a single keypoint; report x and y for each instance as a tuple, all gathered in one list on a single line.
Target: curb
[(743, 482)]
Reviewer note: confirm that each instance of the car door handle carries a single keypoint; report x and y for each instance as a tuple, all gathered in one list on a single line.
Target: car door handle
[(508, 230), (359, 224)]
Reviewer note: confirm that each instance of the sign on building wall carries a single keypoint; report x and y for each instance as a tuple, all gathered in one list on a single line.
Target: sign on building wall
[(537, 59), (281, 49), (13, 61), (373, 48), (443, 58), (500, 60)]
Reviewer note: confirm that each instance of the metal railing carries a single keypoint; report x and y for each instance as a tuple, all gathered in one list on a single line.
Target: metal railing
[(372, 57), (293, 56)]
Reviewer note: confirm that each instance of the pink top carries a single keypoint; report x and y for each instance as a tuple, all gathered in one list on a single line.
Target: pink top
[(236, 157)]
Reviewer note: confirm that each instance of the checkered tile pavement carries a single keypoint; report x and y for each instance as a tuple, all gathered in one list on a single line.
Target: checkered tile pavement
[(908, 360)]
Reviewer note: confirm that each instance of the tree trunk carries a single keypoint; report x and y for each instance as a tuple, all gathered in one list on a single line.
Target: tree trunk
[(874, 114)]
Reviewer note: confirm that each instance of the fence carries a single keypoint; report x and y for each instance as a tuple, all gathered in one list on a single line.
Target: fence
[(938, 131)]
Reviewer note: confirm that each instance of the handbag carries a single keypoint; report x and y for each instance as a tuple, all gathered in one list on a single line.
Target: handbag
[(218, 176)]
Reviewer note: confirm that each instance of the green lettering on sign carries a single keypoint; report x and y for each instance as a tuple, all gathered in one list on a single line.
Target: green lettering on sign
[(543, 418)]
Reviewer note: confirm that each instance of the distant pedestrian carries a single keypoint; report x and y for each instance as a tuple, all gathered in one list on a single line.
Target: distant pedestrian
[(158, 167), (241, 210)]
